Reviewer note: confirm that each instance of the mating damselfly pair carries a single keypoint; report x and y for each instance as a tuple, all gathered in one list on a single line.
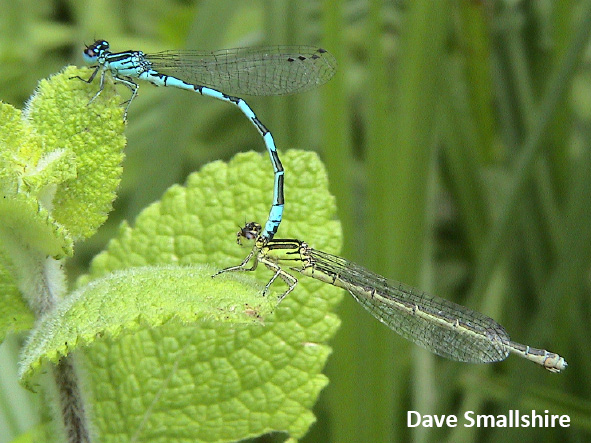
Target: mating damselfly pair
[(272, 70), (440, 326)]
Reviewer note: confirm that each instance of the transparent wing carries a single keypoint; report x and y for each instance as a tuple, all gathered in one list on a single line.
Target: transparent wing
[(273, 70), (441, 326)]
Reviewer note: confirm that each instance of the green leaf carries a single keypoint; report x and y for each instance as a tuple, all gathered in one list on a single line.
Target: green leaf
[(15, 315), (129, 299), (161, 372), (59, 169), (93, 132), (27, 186)]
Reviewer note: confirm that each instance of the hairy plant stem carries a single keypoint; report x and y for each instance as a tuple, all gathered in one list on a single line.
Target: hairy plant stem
[(42, 283), (50, 287), (71, 403)]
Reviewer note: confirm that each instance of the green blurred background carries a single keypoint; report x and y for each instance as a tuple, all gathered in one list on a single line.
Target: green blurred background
[(457, 140)]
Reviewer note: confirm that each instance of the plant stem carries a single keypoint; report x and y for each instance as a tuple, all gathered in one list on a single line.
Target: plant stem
[(71, 403), (42, 282)]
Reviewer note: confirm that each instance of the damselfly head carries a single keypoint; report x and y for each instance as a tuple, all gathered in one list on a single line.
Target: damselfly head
[(92, 52), (250, 231)]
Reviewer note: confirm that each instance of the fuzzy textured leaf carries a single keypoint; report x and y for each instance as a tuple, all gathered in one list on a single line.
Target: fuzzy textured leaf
[(59, 169), (162, 380), (93, 132)]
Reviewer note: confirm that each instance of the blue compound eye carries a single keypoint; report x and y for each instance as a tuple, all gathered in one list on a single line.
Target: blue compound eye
[(101, 45)]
